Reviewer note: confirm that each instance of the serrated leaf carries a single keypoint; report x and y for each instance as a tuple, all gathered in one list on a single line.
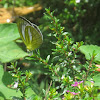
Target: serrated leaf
[(88, 51)]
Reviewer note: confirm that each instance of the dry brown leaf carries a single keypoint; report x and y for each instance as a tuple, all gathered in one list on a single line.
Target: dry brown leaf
[(5, 16), (8, 15)]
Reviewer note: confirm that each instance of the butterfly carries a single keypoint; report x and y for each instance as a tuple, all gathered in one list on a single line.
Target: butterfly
[(30, 33)]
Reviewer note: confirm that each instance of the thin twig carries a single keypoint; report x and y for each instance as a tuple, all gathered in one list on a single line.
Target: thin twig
[(90, 64), (5, 67), (48, 90), (47, 65)]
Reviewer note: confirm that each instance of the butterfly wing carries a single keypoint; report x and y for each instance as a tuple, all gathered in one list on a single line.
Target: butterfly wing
[(35, 39), (30, 33), (21, 27)]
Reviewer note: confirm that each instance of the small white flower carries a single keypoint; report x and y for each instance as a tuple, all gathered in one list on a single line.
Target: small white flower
[(73, 61), (58, 69), (8, 20), (16, 85), (63, 76), (74, 66), (77, 1), (69, 53)]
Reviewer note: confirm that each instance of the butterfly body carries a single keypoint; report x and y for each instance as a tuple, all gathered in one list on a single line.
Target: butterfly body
[(30, 33)]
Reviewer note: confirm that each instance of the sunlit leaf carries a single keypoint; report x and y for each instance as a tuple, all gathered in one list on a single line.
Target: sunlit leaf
[(8, 33), (96, 79), (90, 50), (11, 51)]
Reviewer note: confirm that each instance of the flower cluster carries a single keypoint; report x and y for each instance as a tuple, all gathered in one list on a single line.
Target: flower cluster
[(73, 93), (76, 83)]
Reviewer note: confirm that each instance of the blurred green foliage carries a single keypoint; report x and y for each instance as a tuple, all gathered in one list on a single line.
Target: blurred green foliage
[(80, 19), (11, 3), (90, 50)]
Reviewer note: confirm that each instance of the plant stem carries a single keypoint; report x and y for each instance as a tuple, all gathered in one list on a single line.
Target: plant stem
[(90, 65)]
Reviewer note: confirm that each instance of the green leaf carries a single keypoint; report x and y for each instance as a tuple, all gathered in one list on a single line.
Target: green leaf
[(34, 97), (8, 93), (8, 33), (89, 50), (96, 79), (11, 51), (47, 59)]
